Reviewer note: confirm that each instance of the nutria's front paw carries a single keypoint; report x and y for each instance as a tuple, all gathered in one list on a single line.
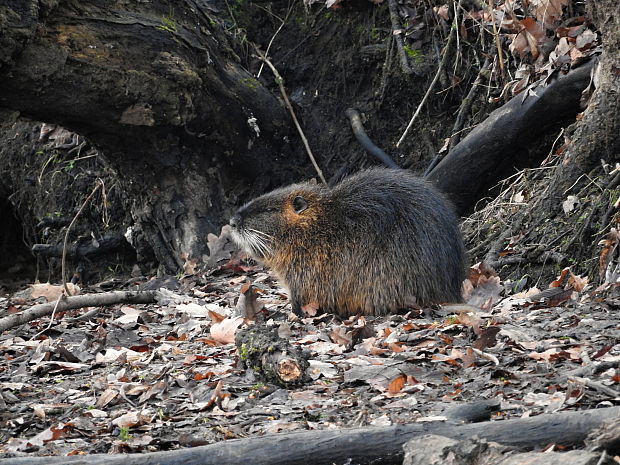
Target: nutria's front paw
[(296, 306)]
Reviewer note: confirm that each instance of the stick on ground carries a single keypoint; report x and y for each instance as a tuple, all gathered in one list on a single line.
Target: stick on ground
[(77, 301)]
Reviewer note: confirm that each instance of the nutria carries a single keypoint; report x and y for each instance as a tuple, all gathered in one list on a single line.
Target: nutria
[(379, 241)]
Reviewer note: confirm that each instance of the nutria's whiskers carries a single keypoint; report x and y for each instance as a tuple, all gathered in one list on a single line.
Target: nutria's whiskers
[(256, 241)]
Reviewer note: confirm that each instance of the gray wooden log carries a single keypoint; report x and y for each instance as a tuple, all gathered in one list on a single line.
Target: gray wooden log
[(369, 445)]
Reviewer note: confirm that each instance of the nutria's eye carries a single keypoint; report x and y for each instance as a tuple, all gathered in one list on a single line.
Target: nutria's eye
[(299, 204)]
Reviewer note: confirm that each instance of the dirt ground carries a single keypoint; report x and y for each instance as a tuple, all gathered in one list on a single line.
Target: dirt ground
[(136, 378)]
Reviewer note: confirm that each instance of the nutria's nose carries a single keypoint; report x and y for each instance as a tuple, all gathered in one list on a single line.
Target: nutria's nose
[(235, 221)]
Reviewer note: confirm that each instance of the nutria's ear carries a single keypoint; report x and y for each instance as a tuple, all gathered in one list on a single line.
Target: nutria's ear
[(312, 181), (299, 204)]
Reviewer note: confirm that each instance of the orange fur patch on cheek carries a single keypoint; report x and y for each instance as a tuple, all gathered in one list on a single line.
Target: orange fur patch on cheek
[(306, 218)]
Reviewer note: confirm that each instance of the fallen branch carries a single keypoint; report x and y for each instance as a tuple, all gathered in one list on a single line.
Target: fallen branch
[(106, 245), (369, 445), (77, 301), (270, 356), (64, 244)]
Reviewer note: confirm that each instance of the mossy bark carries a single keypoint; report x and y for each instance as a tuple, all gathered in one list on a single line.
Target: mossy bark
[(160, 91)]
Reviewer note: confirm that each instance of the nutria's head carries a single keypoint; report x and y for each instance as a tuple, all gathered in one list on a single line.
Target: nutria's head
[(266, 224)]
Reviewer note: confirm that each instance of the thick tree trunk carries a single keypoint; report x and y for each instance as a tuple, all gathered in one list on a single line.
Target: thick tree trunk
[(160, 91), (597, 136)]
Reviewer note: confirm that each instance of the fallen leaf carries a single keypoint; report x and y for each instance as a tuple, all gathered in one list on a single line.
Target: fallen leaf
[(562, 279), (154, 390), (555, 354), (96, 413), (548, 12), (220, 247), (396, 384), (578, 283), (570, 203), (443, 12), (486, 338), (586, 40), (248, 304), (486, 293), (318, 369), (130, 315), (216, 317), (530, 37), (51, 434), (106, 397), (551, 402), (52, 291), (197, 310), (470, 320), (131, 419), (479, 269), (310, 309), (341, 336), (224, 331), (189, 265)]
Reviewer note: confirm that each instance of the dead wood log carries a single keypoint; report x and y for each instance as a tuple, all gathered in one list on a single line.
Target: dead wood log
[(108, 244), (77, 301), (496, 146), (262, 350), (369, 445)]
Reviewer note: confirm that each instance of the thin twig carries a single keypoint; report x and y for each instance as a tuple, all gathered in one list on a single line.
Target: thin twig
[(260, 70), (49, 325), (466, 105), (280, 82), (442, 63), (64, 245), (608, 391), (603, 458), (458, 38), (498, 45), (385, 72)]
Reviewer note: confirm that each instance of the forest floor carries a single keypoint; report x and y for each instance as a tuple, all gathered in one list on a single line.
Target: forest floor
[(141, 378), (136, 378)]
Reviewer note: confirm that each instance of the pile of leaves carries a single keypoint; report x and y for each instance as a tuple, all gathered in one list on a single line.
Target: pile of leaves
[(157, 377)]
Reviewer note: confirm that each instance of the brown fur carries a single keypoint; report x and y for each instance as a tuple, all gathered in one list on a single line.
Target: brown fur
[(379, 241)]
